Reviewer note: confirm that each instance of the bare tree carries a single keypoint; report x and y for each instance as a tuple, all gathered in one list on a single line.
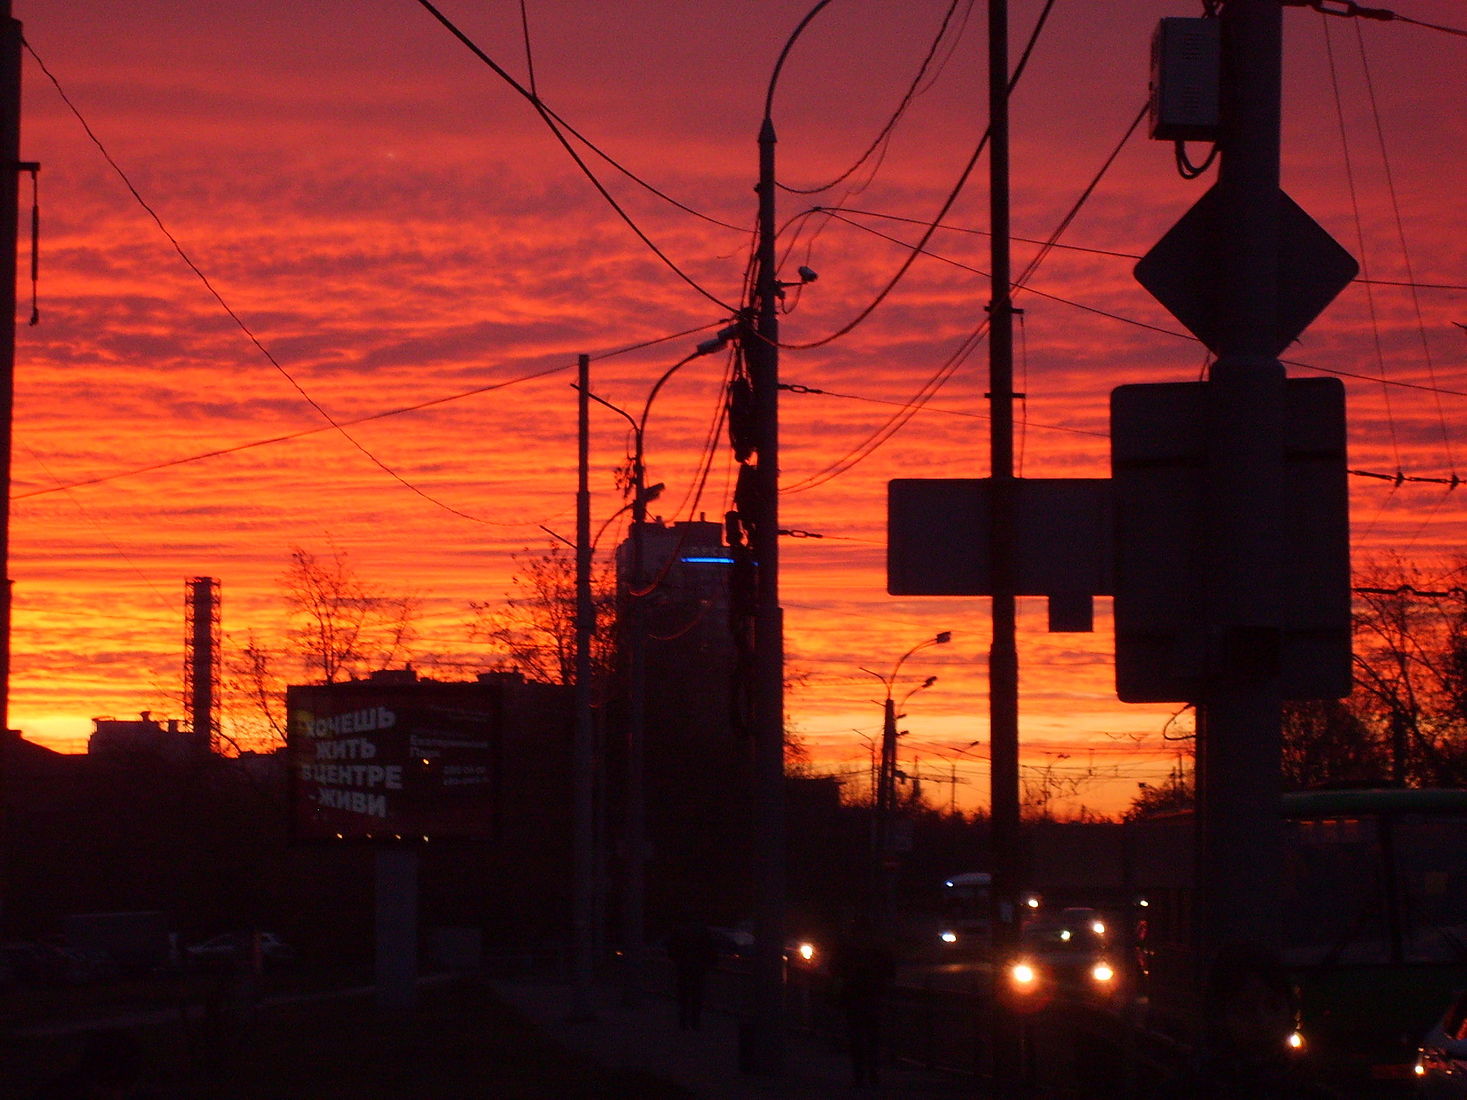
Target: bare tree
[(1176, 792), (254, 696), (1411, 669), (1045, 784), (336, 627), (534, 631), (1327, 742), (338, 624)]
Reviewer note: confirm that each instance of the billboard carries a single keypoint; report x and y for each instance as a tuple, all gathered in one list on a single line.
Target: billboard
[(391, 761)]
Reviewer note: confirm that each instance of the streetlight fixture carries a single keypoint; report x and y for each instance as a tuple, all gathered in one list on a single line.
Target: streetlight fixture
[(886, 776), (635, 823)]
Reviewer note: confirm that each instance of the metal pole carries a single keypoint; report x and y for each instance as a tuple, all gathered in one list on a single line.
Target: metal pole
[(10, 44), (768, 1052), (888, 772), (397, 929), (634, 833), (584, 763), (1003, 658), (634, 912), (10, 73), (885, 807), (1238, 732)]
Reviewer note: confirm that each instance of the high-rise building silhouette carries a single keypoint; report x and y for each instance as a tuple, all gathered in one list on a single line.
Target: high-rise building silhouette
[(674, 582)]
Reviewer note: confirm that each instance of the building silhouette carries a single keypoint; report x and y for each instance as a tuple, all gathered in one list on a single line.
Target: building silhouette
[(143, 736), (675, 583)]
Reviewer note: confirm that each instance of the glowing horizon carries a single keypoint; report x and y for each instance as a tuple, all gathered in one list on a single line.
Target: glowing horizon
[(396, 226)]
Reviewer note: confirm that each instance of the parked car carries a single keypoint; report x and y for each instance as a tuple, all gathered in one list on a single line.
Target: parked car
[(238, 947), (1441, 1062), (24, 963), (737, 944)]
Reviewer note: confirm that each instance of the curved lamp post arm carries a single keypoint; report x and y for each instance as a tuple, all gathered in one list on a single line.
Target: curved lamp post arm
[(941, 638)]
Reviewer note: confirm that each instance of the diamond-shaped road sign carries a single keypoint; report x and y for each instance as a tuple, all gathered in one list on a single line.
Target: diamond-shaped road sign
[(1182, 269)]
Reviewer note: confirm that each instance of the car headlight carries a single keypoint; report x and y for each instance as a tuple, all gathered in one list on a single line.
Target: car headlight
[(1102, 972), (949, 937)]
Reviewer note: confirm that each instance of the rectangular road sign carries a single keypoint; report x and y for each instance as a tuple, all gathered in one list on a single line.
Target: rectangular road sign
[(938, 538), (1166, 649)]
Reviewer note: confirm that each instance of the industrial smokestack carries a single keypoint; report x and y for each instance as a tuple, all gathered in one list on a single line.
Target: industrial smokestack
[(201, 659)]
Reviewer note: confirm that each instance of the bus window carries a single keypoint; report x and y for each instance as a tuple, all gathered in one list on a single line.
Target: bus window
[(1335, 901), (1431, 872)]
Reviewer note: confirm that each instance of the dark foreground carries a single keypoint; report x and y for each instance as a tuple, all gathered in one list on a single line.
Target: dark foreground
[(463, 1041)]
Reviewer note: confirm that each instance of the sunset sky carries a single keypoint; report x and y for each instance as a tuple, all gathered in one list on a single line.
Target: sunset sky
[(394, 225)]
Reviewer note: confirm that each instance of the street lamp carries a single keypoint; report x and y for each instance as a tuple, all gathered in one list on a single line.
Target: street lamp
[(634, 895), (886, 776), (927, 683)]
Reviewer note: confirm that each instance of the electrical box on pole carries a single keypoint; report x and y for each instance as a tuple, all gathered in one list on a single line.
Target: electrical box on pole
[(1185, 77)]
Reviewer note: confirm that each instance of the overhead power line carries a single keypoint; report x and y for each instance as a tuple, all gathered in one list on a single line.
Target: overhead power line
[(850, 212), (382, 415), (947, 204), (1401, 238), (798, 389), (1030, 288), (906, 101), (1398, 478), (899, 420), (1352, 10), (1362, 252), (234, 316), (1409, 590), (559, 128)]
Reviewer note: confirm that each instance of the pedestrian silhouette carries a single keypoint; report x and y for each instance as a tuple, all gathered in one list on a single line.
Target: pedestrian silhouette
[(864, 970), (693, 952)]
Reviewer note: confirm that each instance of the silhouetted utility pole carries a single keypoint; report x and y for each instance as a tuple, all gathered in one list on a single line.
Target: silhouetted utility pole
[(762, 353), (1232, 509), (634, 624), (886, 791), (883, 846), (584, 762), (634, 918), (1003, 656), (10, 169), (1239, 720)]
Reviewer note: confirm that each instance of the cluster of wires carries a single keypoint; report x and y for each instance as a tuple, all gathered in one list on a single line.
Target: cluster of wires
[(936, 56)]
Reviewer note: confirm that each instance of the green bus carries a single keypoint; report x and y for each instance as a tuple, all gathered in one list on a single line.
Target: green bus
[(1373, 921)]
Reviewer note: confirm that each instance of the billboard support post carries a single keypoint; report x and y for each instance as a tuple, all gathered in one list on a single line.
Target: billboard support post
[(397, 929)]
